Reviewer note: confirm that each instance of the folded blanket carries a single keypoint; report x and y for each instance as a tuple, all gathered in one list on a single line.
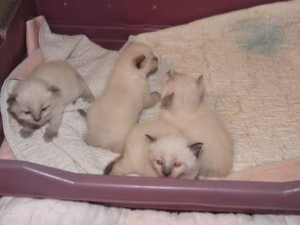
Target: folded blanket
[(254, 99), (33, 211)]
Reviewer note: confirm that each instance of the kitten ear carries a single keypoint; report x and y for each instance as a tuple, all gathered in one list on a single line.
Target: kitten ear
[(167, 100), (200, 84), (140, 61), (11, 100), (196, 148), (54, 89), (150, 138)]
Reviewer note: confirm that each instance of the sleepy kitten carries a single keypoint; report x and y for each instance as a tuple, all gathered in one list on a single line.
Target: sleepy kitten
[(43, 96), (182, 106), (116, 111), (164, 153)]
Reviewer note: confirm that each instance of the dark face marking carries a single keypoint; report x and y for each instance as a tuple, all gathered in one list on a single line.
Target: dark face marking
[(200, 80), (150, 138), (54, 89), (167, 100), (11, 100), (196, 148), (139, 61), (166, 171)]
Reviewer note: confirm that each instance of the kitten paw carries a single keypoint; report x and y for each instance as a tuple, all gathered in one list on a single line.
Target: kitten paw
[(49, 136), (25, 133), (156, 96)]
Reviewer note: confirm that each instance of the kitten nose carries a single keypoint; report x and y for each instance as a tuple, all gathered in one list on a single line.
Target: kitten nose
[(36, 118), (166, 172), (155, 58)]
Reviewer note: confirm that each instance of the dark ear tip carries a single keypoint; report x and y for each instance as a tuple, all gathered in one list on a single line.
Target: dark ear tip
[(196, 148), (167, 100), (139, 61), (54, 89), (11, 99), (150, 138)]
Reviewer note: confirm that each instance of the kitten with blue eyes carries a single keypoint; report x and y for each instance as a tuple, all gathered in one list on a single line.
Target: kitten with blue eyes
[(42, 97)]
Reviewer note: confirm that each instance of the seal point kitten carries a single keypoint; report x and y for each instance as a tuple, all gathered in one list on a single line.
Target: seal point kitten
[(115, 112), (42, 97), (172, 156), (183, 107)]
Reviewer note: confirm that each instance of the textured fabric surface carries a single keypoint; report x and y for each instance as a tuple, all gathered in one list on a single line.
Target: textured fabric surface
[(250, 61), (68, 151), (16, 211), (222, 54)]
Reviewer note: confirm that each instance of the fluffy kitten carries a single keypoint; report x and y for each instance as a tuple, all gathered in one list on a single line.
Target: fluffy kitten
[(115, 112), (43, 96), (182, 106), (172, 156), (155, 149)]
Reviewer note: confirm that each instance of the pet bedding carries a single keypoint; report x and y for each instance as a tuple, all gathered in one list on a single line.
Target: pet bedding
[(250, 61)]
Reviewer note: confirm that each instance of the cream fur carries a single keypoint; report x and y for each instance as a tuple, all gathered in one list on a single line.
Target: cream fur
[(188, 113), (44, 95), (136, 157), (173, 149), (116, 111)]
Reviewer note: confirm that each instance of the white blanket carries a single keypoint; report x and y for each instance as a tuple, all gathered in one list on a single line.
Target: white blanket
[(250, 60), (25, 211), (68, 151)]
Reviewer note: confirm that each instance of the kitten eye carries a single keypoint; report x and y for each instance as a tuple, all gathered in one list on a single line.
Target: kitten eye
[(159, 162), (177, 164), (27, 112), (44, 109)]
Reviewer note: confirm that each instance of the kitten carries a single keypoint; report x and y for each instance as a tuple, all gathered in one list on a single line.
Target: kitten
[(172, 156), (164, 153), (116, 111), (182, 106), (43, 96)]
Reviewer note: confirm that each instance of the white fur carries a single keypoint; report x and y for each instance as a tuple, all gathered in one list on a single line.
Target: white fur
[(135, 158), (116, 111), (51, 86), (171, 149), (140, 154), (190, 115)]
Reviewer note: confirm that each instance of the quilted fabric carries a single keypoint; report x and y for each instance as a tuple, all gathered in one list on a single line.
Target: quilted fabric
[(68, 151), (250, 62)]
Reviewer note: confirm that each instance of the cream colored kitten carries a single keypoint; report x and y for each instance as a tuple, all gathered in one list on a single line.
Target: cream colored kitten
[(116, 111), (156, 149), (182, 106), (43, 96)]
